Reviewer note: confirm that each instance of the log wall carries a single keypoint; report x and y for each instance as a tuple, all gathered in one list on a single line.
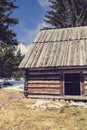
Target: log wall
[(48, 82), (43, 82)]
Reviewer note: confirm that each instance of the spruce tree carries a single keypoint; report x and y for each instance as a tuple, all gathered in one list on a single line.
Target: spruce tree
[(7, 35), (67, 13), (8, 40), (7, 60), (17, 73)]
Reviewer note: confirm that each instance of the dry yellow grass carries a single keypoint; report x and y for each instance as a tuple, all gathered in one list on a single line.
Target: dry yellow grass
[(16, 114)]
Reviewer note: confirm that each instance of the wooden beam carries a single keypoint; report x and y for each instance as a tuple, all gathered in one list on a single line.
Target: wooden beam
[(82, 87), (43, 90)]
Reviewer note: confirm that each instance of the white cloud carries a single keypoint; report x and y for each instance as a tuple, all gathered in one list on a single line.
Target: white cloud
[(23, 48), (43, 3)]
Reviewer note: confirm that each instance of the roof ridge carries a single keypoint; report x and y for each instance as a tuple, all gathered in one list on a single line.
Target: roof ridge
[(49, 28)]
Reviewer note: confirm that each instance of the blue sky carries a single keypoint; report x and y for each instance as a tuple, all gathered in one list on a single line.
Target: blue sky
[(30, 14)]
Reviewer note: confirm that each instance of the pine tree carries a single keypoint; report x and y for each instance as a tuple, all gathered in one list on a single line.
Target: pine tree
[(17, 73), (7, 35), (67, 13), (7, 60), (10, 59), (8, 40)]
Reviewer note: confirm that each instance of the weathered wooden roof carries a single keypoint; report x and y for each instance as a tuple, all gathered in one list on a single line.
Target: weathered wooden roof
[(58, 47)]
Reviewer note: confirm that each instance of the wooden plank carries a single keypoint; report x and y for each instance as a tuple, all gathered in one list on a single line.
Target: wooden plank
[(85, 72), (85, 82), (25, 60), (58, 97), (42, 55), (55, 57), (52, 54), (84, 59), (44, 81), (61, 85), (31, 59), (55, 35), (85, 43), (42, 78), (40, 48), (43, 72), (38, 37), (49, 35), (59, 61), (81, 53), (64, 50), (65, 60), (47, 53), (48, 75), (85, 87), (78, 53), (82, 88), (43, 36), (44, 90), (59, 68), (72, 53), (44, 85), (85, 92)]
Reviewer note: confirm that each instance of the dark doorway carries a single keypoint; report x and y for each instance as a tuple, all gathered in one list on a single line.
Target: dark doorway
[(72, 83)]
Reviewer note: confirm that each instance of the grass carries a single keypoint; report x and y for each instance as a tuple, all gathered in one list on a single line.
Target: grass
[(16, 114)]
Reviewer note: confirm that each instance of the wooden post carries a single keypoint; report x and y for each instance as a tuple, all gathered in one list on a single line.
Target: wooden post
[(82, 88), (61, 85)]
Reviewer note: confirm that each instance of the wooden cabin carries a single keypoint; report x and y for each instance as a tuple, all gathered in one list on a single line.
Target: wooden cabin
[(56, 63)]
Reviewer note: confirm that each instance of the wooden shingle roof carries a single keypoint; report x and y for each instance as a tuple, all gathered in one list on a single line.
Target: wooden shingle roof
[(58, 47)]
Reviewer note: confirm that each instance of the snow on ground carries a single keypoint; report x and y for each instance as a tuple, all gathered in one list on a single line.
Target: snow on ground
[(12, 84), (1, 80), (19, 87)]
